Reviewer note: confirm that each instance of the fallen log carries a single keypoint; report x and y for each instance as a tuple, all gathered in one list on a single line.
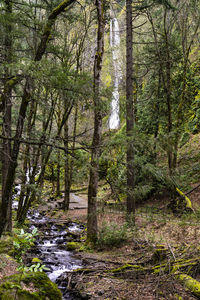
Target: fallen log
[(190, 283), (166, 267)]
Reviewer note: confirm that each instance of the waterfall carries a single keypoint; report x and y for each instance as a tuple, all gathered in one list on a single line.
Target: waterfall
[(114, 120)]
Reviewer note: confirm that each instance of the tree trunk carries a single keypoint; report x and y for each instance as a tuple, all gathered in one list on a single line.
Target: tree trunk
[(26, 98), (58, 175), (67, 175), (73, 144), (129, 111), (96, 143), (26, 159), (168, 95), (31, 195), (7, 106)]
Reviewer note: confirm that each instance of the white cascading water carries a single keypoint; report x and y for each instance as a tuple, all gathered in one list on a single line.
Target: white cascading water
[(114, 120)]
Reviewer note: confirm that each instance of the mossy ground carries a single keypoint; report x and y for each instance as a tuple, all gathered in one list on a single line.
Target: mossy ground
[(6, 244)]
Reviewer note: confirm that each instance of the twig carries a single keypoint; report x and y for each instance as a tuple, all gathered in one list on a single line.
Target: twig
[(69, 282), (192, 189), (172, 252)]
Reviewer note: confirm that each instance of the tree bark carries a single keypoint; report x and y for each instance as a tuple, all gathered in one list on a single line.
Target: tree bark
[(96, 143), (7, 108), (58, 174), (129, 111), (67, 176)]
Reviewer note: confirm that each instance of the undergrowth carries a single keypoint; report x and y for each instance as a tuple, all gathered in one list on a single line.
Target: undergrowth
[(112, 234)]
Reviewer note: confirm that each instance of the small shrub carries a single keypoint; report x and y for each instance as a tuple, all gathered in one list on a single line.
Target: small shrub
[(22, 242), (112, 235)]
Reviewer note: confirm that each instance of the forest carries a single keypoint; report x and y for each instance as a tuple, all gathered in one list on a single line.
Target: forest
[(99, 149)]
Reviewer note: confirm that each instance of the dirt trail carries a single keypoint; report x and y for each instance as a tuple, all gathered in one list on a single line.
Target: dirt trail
[(77, 202)]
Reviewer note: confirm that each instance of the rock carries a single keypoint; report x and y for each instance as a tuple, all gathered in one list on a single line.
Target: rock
[(72, 246), (17, 287), (100, 293)]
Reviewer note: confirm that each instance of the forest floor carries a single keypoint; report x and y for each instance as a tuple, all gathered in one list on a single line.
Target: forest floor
[(132, 262), (139, 262), (123, 264)]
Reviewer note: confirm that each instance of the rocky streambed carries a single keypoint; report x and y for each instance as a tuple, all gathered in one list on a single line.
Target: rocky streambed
[(51, 247)]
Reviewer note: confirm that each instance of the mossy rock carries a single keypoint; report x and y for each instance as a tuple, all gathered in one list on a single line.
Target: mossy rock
[(16, 287), (18, 294), (73, 246)]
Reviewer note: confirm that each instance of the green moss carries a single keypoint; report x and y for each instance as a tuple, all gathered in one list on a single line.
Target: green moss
[(126, 267), (26, 295), (190, 283), (12, 287), (6, 244), (187, 200), (73, 246), (13, 290), (36, 260), (177, 297), (46, 287), (86, 247), (159, 268)]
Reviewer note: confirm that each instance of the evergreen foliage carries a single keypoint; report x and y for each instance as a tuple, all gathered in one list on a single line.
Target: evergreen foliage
[(47, 63)]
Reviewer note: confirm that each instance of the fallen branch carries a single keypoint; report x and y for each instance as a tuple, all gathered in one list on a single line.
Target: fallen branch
[(190, 283), (189, 192), (188, 203)]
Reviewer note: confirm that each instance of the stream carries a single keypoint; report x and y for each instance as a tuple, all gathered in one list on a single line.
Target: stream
[(51, 247)]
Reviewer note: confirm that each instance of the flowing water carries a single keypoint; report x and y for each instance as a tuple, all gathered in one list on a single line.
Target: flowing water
[(51, 246), (114, 120)]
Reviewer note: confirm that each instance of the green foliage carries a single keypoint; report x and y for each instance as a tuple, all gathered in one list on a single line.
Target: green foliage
[(184, 139), (81, 166), (149, 177), (36, 267), (87, 247), (22, 242), (112, 235), (194, 122)]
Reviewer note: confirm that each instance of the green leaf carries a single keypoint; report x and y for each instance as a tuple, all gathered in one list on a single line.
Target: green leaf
[(36, 260)]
